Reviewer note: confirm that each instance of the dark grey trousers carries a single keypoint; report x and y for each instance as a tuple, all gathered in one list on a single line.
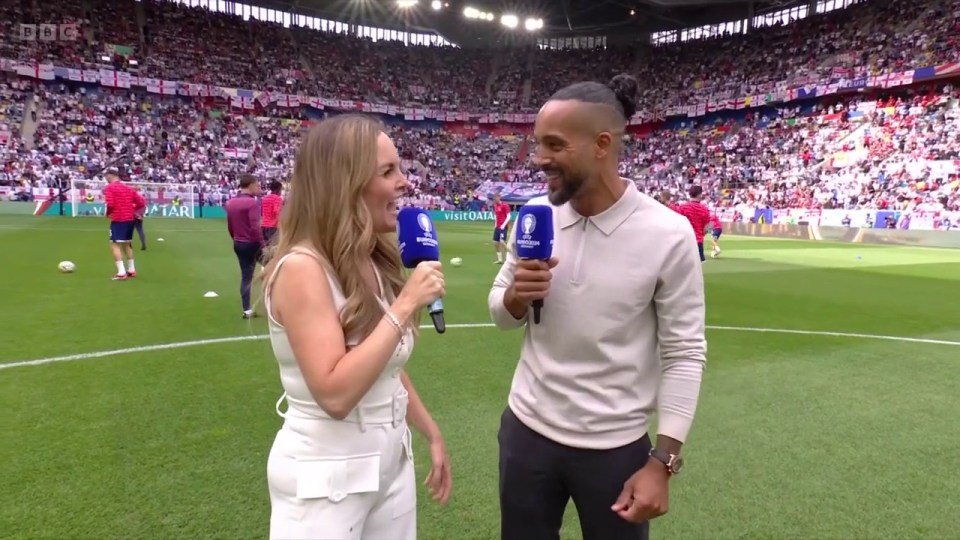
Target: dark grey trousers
[(539, 476)]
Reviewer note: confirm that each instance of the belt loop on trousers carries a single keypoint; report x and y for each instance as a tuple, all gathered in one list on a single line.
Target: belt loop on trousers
[(363, 425), (277, 406)]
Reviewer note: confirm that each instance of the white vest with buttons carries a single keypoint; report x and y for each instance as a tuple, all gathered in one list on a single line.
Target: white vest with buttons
[(385, 402)]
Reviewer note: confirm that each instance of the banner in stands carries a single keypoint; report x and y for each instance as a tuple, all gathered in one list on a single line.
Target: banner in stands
[(466, 129), (122, 50), (916, 219), (217, 212), (851, 235), (512, 192), (161, 194), (236, 153), (457, 215), (796, 88), (96, 209), (734, 219)]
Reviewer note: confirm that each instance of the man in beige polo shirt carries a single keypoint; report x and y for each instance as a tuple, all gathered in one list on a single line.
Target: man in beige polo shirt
[(622, 335)]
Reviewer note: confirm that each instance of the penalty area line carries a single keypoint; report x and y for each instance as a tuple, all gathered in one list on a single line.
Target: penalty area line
[(256, 337)]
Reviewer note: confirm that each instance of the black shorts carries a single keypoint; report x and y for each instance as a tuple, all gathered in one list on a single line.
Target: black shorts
[(268, 234), (121, 231)]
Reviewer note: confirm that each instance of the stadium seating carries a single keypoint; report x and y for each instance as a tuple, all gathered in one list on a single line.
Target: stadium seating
[(851, 152)]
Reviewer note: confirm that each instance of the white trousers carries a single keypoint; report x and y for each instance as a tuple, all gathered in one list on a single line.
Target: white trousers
[(341, 480)]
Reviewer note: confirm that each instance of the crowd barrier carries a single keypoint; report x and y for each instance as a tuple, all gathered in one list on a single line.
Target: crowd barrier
[(16, 208), (798, 231), (852, 235), (217, 212)]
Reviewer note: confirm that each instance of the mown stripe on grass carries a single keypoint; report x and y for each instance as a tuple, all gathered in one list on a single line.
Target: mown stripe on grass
[(251, 337)]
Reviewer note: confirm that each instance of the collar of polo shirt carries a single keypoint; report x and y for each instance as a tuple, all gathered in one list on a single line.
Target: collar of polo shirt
[(608, 220)]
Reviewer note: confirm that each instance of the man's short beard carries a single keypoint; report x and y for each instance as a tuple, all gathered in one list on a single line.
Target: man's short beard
[(568, 189)]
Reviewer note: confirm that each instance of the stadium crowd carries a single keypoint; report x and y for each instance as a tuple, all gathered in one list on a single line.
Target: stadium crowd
[(864, 151)]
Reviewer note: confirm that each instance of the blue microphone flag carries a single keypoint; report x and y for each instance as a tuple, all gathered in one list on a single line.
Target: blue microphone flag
[(417, 237), (418, 243), (535, 232)]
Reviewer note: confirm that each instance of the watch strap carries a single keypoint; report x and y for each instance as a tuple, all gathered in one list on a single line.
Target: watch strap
[(668, 459)]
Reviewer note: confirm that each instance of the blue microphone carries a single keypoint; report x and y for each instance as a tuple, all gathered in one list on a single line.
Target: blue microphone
[(535, 239), (419, 243)]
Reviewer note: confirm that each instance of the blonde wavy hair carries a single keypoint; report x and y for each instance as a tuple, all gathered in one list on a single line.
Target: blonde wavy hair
[(325, 211)]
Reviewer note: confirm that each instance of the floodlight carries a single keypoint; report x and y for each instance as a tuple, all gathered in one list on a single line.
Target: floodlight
[(532, 24)]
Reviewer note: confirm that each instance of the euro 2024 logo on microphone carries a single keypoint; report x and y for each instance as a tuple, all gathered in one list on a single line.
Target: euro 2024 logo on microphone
[(428, 238), (527, 225), (424, 221)]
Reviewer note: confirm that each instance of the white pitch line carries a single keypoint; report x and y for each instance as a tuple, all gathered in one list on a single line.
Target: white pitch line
[(837, 334), (253, 337), (175, 345)]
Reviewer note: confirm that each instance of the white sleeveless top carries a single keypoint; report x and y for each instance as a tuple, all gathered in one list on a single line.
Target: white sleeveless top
[(299, 399)]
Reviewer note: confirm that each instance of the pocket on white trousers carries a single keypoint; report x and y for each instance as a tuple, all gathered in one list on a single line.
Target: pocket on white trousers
[(334, 478)]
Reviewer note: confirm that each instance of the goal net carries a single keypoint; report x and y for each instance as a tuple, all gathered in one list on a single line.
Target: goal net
[(163, 200)]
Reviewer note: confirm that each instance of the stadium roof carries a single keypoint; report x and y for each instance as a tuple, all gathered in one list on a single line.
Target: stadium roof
[(560, 17)]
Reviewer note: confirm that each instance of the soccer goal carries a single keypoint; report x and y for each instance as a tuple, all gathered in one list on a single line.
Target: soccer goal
[(163, 200)]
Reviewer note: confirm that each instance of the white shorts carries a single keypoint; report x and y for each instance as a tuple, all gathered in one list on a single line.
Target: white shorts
[(340, 480)]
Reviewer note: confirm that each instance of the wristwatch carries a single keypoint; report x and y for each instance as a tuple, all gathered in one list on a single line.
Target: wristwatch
[(673, 461)]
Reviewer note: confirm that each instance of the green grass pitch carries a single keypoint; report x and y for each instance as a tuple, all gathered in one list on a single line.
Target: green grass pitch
[(844, 430)]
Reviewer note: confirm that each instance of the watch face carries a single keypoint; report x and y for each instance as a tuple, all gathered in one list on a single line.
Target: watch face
[(677, 464)]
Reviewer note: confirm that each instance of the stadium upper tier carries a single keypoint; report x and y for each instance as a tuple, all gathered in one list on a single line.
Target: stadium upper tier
[(894, 148), (178, 43), (865, 152)]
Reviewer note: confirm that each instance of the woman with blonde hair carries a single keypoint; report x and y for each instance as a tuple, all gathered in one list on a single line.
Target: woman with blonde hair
[(342, 326)]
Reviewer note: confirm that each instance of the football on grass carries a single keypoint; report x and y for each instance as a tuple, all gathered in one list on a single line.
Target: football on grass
[(66, 267)]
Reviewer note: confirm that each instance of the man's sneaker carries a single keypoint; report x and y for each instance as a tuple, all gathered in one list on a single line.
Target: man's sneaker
[(131, 274), (120, 277), (249, 314)]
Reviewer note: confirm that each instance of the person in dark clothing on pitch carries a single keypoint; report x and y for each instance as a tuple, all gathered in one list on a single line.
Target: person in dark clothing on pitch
[(138, 226), (243, 224)]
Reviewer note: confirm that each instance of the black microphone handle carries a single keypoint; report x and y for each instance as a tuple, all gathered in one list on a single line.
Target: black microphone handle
[(435, 309), (537, 305), (438, 323)]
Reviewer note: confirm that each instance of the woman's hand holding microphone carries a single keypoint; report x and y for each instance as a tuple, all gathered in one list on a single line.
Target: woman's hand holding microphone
[(424, 285)]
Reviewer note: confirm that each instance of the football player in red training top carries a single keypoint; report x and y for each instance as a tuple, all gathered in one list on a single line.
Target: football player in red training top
[(123, 204), (501, 212), (717, 231), (270, 213), (697, 214)]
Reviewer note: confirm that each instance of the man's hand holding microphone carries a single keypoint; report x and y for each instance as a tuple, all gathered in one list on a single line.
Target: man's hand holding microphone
[(531, 278), (531, 282)]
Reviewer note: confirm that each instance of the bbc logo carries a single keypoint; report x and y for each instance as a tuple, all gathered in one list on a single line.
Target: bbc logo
[(49, 32)]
